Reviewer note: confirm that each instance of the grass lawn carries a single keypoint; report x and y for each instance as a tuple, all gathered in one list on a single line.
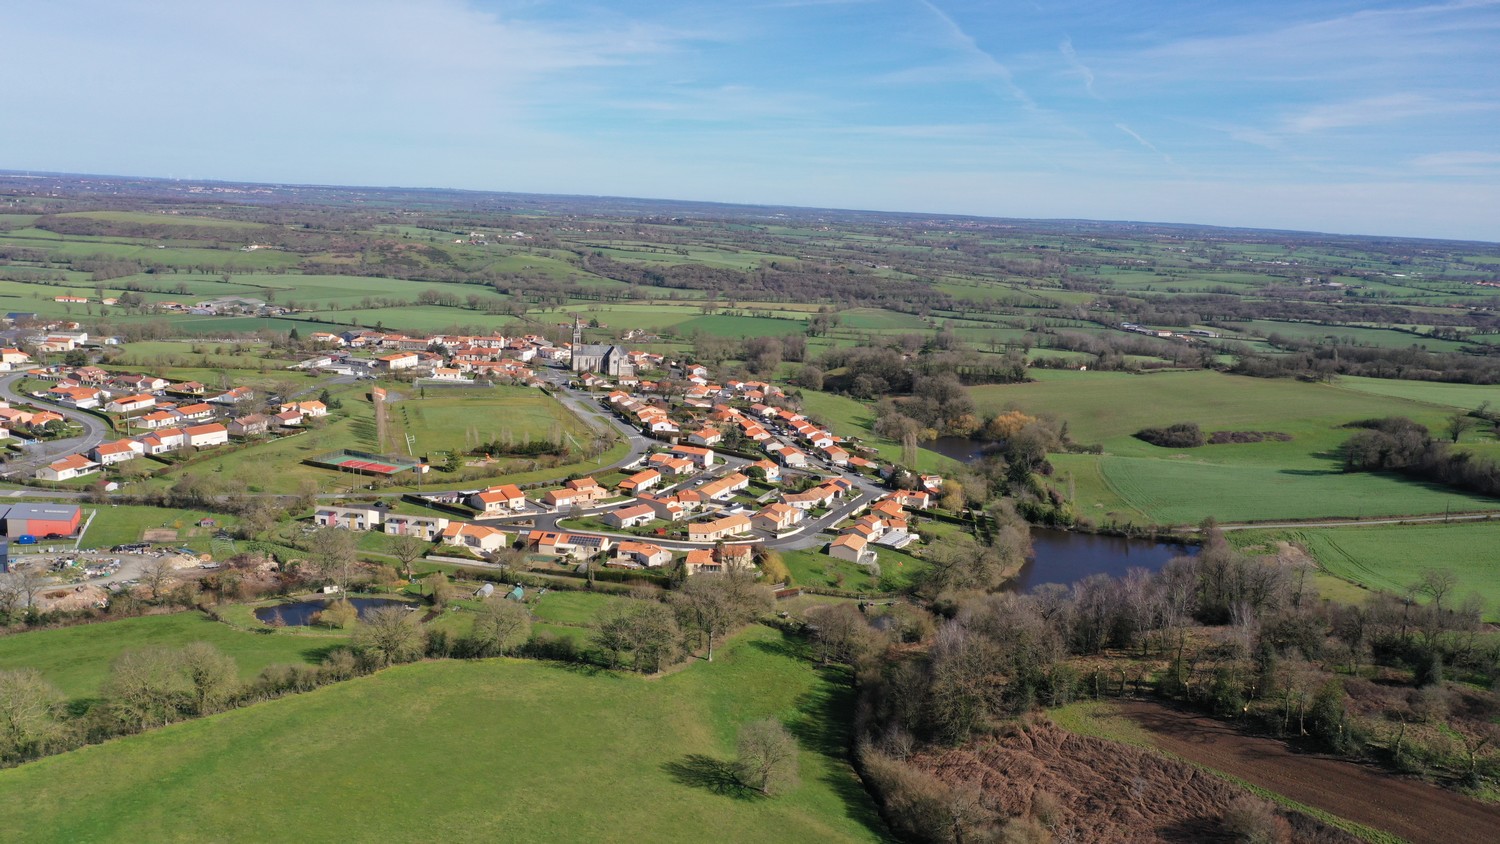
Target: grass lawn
[(814, 568), (77, 659), (447, 419), (119, 524), (1392, 557), (499, 749), (1169, 492), (567, 607)]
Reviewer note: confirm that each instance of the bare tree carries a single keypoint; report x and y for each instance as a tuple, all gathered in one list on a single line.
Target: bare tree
[(30, 708), (407, 549), (156, 575), (501, 625), (334, 555), (439, 588), (214, 677), (1436, 584), (767, 760), (390, 634), (147, 688), (655, 638), (20, 585), (1460, 423), (714, 604), (841, 634)]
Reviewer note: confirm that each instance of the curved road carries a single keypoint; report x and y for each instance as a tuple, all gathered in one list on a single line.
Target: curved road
[(45, 452)]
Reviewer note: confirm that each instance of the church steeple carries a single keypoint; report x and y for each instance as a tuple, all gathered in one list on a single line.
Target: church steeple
[(577, 333)]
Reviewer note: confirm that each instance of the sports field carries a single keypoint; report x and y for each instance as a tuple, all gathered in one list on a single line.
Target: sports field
[(496, 750)]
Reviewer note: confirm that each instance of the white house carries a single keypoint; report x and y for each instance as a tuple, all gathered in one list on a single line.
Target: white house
[(72, 466), (108, 454), (352, 518), (498, 499), (426, 527), (478, 538), (628, 517), (203, 436)]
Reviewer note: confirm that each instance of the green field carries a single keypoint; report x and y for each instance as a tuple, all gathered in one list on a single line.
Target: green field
[(77, 659), (1299, 479), (852, 418), (1462, 396), (118, 524), (1181, 492), (499, 750), (565, 607), (441, 418), (1392, 557)]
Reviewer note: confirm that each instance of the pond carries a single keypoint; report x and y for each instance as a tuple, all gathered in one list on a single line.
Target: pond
[(300, 614), (962, 449), (1060, 556)]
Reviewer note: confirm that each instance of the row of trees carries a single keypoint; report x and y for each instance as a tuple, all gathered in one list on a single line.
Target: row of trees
[(1397, 444)]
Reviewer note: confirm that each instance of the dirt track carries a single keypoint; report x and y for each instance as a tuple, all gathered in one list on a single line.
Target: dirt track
[(1418, 812)]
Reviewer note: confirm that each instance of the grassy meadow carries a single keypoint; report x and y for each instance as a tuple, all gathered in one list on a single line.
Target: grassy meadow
[(77, 659), (499, 749), (1134, 481), (1392, 557)]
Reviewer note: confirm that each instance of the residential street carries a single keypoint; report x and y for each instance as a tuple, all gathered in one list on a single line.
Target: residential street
[(45, 452)]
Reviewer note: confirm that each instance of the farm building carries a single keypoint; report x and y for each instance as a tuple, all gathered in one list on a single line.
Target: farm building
[(41, 519)]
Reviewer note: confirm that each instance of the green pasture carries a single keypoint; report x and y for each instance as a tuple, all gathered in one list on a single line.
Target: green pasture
[(1461, 396), (499, 749), (1109, 407), (1349, 334), (573, 608), (77, 659), (852, 418), (1393, 557), (1146, 490)]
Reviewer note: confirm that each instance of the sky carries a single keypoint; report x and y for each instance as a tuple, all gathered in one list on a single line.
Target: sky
[(1321, 115)]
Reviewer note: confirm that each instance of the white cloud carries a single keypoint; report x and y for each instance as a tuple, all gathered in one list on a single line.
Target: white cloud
[(1078, 68)]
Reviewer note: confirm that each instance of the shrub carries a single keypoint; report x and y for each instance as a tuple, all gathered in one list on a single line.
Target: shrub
[(1249, 820), (1181, 435)]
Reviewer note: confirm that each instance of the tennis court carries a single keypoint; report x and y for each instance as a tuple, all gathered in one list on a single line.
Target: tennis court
[(362, 463)]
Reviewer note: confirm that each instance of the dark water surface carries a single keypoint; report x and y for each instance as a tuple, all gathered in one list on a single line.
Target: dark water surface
[(300, 614), (1060, 556)]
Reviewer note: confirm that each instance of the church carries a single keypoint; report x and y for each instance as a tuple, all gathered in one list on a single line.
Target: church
[(599, 358)]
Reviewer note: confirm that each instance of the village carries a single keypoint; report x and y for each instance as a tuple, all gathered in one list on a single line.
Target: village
[(718, 473)]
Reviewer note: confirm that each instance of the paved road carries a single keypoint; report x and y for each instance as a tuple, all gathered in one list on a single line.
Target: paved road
[(45, 452)]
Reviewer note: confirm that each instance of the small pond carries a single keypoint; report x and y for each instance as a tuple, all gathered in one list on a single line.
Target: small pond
[(962, 449), (300, 614), (1060, 556)]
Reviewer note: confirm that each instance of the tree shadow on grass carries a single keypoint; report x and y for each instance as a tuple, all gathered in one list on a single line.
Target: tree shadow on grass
[(710, 774), (823, 726), (787, 646)]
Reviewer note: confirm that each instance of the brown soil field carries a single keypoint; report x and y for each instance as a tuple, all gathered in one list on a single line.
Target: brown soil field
[(1104, 791), (1419, 812)]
